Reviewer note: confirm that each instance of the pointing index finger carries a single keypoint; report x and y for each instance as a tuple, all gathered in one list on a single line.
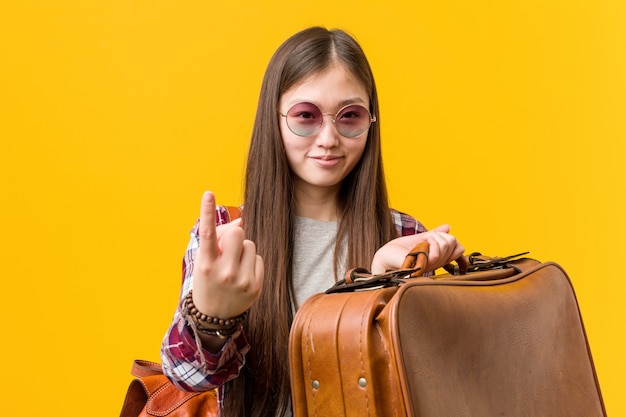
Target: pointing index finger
[(207, 230)]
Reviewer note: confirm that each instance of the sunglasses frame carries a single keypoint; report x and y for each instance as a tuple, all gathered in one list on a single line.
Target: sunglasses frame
[(372, 119)]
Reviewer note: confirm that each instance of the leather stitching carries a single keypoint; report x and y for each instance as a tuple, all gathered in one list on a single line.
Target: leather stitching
[(308, 359), (172, 408), (363, 314), (389, 363)]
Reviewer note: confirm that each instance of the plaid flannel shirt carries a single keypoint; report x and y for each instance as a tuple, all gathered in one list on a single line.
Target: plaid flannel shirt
[(191, 367)]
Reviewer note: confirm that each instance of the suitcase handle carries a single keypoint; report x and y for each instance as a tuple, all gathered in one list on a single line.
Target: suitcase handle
[(417, 259), (361, 278), (414, 266), (475, 261)]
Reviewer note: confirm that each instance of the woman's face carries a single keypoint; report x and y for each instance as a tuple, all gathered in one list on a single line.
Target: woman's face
[(322, 160)]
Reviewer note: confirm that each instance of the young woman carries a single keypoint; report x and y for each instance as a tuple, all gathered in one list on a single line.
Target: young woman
[(315, 205)]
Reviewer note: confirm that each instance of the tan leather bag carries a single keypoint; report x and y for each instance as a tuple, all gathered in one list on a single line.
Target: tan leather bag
[(506, 338), (152, 394)]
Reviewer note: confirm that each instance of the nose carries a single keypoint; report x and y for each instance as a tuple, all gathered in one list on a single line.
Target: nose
[(328, 136)]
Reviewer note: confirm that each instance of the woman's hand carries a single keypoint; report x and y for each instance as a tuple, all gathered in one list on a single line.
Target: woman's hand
[(444, 248), (227, 274)]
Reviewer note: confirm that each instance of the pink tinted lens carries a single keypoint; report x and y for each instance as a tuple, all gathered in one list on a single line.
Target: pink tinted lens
[(353, 120), (304, 119)]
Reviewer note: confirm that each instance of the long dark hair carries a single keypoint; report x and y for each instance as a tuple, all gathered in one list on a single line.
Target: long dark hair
[(262, 389)]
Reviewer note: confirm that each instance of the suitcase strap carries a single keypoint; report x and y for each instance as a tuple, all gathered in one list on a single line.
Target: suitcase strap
[(413, 267)]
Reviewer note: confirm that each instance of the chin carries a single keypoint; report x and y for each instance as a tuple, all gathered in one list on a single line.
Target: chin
[(334, 183)]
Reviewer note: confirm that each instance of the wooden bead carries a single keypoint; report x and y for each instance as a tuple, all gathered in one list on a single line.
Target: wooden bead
[(189, 308)]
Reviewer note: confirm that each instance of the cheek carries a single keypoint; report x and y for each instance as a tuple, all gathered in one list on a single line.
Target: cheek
[(295, 150), (356, 154), (294, 145), (291, 141), (357, 150)]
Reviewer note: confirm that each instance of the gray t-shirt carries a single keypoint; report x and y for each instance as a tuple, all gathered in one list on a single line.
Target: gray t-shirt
[(313, 255)]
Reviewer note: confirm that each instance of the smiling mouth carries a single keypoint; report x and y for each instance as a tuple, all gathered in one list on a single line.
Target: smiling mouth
[(326, 158), (326, 161)]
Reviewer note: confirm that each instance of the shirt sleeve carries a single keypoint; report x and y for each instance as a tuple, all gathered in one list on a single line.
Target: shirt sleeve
[(406, 225), (185, 362)]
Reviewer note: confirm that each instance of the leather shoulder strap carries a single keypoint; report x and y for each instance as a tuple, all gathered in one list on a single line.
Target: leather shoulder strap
[(233, 212), (142, 368)]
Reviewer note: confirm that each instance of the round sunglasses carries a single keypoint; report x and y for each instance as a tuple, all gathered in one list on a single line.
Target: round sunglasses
[(306, 119)]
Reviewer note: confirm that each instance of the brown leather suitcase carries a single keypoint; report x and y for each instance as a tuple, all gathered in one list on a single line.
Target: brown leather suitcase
[(504, 339)]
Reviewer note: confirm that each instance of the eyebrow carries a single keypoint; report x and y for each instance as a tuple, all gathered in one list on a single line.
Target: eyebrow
[(341, 104)]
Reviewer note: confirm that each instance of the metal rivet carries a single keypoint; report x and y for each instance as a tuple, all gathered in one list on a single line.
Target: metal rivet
[(316, 384), (362, 382)]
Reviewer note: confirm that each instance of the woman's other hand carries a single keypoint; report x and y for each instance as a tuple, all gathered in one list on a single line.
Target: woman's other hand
[(444, 248)]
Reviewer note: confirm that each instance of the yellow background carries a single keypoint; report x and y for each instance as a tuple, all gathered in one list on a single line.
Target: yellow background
[(505, 119)]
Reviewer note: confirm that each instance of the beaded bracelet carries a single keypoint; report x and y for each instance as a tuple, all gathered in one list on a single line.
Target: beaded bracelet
[(221, 333), (217, 326)]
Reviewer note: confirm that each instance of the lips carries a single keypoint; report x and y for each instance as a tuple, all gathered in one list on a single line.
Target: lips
[(326, 157), (326, 161)]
